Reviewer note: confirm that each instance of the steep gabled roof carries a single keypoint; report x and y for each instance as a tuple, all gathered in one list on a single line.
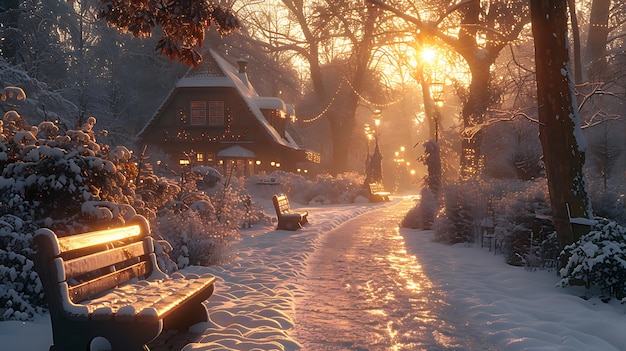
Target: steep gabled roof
[(216, 71)]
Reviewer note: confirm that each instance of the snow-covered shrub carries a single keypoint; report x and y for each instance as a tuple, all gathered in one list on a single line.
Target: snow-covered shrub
[(324, 189), (521, 212), (46, 173), (200, 228), (422, 215), (425, 210), (21, 292), (609, 204), (153, 193), (342, 188), (455, 222), (524, 218), (285, 182), (598, 259)]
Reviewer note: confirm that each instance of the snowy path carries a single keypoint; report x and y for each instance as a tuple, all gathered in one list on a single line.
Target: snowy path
[(289, 291), (364, 292)]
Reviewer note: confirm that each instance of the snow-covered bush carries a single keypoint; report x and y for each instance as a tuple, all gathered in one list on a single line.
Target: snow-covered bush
[(202, 222), (324, 189), (21, 293), (422, 215), (49, 174), (455, 223), (196, 235), (610, 204), (524, 218), (598, 259)]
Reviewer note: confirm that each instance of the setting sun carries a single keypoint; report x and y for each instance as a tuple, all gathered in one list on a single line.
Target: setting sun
[(428, 55)]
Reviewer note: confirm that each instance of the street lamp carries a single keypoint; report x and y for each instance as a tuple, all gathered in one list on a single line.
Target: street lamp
[(399, 160), (183, 163), (436, 92), (369, 134), (377, 118)]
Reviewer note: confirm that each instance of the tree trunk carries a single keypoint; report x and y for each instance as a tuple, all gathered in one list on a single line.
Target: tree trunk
[(578, 70), (597, 38), (474, 108), (430, 109), (342, 119), (560, 132)]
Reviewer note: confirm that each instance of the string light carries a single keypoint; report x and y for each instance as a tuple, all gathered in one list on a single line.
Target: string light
[(228, 133), (330, 103), (334, 97), (370, 102)]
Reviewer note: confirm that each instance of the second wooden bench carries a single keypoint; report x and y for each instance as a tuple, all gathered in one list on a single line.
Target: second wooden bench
[(378, 193), (288, 219)]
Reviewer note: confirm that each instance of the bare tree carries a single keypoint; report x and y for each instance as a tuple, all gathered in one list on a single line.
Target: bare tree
[(337, 40), (597, 39), (605, 148), (485, 29)]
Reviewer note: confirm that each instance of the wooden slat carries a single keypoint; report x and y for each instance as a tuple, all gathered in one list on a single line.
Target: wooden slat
[(81, 241), (86, 290), (282, 204), (90, 263)]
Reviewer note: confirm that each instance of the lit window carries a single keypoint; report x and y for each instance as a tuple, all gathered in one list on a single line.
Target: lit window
[(216, 112), (200, 157), (198, 112)]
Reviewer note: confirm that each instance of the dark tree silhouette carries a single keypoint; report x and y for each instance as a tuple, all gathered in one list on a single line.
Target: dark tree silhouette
[(183, 23)]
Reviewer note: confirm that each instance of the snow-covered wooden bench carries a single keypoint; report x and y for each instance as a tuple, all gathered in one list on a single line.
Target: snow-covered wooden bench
[(107, 284), (378, 193), (288, 219)]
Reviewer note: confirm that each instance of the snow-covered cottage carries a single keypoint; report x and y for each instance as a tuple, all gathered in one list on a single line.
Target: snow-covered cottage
[(215, 117)]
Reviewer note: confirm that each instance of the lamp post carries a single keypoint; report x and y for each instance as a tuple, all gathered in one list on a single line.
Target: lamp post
[(369, 134), (183, 163), (436, 92), (377, 118), (373, 164), (399, 160)]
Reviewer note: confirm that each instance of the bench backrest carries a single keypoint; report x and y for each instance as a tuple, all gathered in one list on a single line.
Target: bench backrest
[(281, 204), (376, 187), (84, 265)]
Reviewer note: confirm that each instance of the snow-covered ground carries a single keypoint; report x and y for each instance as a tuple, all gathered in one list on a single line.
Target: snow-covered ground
[(255, 303)]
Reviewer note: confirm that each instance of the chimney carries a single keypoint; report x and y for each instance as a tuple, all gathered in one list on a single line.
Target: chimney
[(242, 62)]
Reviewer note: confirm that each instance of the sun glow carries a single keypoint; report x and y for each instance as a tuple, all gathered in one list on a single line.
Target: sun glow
[(428, 55)]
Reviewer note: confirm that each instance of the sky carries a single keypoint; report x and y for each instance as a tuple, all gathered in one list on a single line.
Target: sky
[(269, 297)]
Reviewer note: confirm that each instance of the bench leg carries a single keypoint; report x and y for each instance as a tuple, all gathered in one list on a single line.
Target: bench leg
[(288, 225), (123, 336), (186, 316)]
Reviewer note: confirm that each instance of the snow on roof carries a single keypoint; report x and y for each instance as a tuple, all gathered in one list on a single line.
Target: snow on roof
[(290, 109), (250, 95), (236, 151), (270, 103)]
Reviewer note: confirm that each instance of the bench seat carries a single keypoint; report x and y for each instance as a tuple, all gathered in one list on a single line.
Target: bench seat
[(146, 299)]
